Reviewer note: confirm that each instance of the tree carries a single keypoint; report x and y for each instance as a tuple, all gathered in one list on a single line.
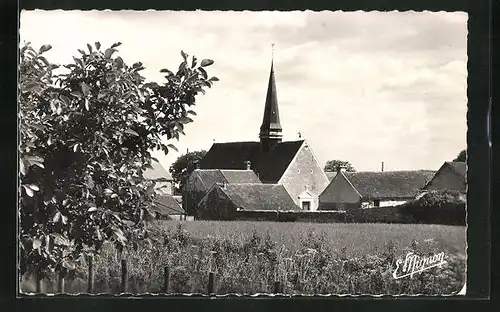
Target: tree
[(332, 165), (85, 141), (462, 156), (183, 166)]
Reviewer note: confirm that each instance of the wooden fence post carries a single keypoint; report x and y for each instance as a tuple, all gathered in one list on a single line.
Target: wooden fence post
[(124, 276), (277, 287), (90, 283), (38, 280), (211, 283), (166, 279), (60, 281)]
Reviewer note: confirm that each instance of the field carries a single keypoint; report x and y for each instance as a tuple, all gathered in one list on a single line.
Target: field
[(353, 239), (306, 258)]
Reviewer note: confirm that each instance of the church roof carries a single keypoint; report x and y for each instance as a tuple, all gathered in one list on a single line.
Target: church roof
[(269, 166), (259, 196), (389, 184)]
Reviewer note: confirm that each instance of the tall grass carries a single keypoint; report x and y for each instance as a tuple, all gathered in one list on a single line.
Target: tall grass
[(248, 257)]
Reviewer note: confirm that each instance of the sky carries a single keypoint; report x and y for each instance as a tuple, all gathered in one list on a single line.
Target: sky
[(365, 87)]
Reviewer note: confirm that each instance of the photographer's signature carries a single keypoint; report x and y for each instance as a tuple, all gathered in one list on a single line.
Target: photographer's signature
[(415, 264)]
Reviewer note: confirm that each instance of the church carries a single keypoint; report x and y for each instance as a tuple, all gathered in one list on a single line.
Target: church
[(291, 165)]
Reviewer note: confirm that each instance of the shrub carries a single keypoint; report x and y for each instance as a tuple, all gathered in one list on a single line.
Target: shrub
[(438, 207)]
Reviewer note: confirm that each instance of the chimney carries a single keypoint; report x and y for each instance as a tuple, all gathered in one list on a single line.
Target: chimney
[(382, 166), (249, 164), (222, 184), (341, 168)]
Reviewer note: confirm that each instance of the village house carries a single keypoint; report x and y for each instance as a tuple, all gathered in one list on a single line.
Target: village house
[(291, 164), (451, 176), (352, 190), (223, 200), (166, 205), (201, 180), (166, 185)]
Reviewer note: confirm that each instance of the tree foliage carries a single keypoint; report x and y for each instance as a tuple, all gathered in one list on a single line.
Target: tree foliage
[(85, 139), (462, 156), (332, 165), (183, 166)]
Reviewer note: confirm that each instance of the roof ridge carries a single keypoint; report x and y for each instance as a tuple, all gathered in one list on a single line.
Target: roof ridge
[(234, 170), (388, 171), (254, 183), (235, 142)]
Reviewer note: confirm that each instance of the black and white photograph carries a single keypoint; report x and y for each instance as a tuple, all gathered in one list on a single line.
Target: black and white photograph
[(264, 153)]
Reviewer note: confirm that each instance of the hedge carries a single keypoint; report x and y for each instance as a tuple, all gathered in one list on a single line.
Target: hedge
[(433, 207)]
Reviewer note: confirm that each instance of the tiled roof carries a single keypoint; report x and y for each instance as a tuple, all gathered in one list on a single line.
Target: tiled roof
[(330, 175), (268, 166), (157, 172), (459, 167), (203, 179), (389, 184), (240, 176), (259, 196), (167, 205)]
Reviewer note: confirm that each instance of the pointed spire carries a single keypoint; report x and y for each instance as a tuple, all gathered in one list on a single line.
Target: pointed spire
[(270, 130)]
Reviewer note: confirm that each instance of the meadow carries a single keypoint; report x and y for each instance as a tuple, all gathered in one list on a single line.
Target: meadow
[(306, 258), (351, 239)]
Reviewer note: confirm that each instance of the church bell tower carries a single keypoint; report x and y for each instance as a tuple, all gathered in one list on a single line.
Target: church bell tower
[(270, 130)]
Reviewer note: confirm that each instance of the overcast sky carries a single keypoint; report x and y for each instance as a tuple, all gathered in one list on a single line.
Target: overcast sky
[(363, 87)]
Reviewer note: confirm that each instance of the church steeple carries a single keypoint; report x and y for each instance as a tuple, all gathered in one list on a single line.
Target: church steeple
[(270, 130)]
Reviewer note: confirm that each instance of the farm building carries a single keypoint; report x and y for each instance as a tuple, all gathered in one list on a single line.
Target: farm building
[(291, 163), (201, 180), (157, 171), (168, 208), (451, 176), (330, 175), (223, 201), (351, 190)]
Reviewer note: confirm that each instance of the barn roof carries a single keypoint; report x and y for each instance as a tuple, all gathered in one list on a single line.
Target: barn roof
[(208, 177), (259, 196), (157, 172), (458, 167), (268, 166), (166, 204), (389, 184), (240, 176)]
